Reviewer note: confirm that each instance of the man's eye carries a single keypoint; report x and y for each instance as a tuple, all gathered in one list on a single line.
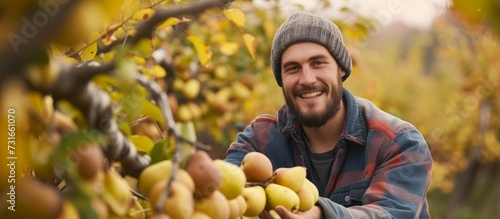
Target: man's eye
[(318, 62), (292, 68)]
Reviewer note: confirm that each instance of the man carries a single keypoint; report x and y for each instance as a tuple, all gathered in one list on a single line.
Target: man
[(364, 162)]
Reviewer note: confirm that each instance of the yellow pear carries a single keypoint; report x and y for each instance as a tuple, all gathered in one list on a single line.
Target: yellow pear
[(280, 195), (184, 113), (215, 205), (233, 179), (242, 204), (255, 197), (234, 208), (160, 171), (100, 208), (306, 198), (274, 214), (191, 88), (291, 177), (160, 216), (116, 193), (69, 211), (31, 198), (257, 167), (199, 215), (313, 189), (179, 203)]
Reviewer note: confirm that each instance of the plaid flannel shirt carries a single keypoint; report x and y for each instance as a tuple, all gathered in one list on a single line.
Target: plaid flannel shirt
[(382, 168)]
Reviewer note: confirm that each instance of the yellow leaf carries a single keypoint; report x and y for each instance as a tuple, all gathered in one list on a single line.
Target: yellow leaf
[(169, 22), (57, 50), (151, 110), (158, 71), (229, 48), (202, 50), (90, 51), (139, 60), (250, 43), (236, 16), (142, 143), (70, 60), (143, 14)]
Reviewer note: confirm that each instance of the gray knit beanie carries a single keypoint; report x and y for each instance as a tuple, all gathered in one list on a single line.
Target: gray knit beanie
[(306, 27)]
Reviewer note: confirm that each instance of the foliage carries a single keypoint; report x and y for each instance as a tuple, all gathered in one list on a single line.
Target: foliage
[(213, 66)]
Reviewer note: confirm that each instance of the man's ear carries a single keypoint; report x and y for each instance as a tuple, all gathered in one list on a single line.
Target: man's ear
[(340, 71)]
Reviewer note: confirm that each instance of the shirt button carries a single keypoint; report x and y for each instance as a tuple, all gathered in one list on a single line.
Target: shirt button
[(347, 199)]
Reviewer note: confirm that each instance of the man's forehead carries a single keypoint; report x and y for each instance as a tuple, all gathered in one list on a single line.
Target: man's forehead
[(305, 50)]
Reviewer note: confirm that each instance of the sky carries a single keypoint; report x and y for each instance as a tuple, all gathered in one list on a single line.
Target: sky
[(417, 13)]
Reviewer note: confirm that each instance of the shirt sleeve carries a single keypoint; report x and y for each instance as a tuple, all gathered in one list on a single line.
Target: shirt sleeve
[(255, 137), (399, 184), (333, 210)]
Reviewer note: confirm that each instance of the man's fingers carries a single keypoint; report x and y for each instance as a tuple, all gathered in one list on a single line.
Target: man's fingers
[(283, 212)]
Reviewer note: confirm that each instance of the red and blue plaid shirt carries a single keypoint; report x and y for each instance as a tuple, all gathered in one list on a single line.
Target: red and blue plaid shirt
[(382, 168)]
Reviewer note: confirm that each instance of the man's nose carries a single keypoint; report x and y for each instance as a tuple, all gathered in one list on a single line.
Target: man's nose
[(308, 76)]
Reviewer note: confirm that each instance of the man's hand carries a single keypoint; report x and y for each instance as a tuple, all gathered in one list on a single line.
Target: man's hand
[(313, 213)]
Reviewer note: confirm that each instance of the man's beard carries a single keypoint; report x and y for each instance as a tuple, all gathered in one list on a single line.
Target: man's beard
[(317, 119)]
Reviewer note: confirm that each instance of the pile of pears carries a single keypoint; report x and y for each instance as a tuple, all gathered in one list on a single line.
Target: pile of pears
[(266, 189), (206, 188)]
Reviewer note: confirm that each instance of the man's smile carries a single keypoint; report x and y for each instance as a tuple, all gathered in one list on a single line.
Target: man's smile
[(311, 94)]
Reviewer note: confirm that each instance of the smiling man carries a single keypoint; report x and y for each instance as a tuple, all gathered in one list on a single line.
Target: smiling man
[(364, 162)]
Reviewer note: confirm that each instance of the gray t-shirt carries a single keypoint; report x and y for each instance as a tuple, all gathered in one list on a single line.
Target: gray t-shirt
[(321, 166)]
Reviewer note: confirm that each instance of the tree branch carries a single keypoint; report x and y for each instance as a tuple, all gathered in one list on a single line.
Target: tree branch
[(73, 84), (145, 28)]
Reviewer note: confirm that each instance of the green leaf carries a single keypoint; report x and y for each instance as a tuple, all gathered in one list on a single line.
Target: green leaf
[(151, 110), (345, 9), (188, 132), (82, 202), (159, 152), (133, 99), (144, 48), (142, 143), (127, 71)]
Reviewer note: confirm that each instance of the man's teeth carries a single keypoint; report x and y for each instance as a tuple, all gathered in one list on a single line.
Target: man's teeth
[(311, 94)]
